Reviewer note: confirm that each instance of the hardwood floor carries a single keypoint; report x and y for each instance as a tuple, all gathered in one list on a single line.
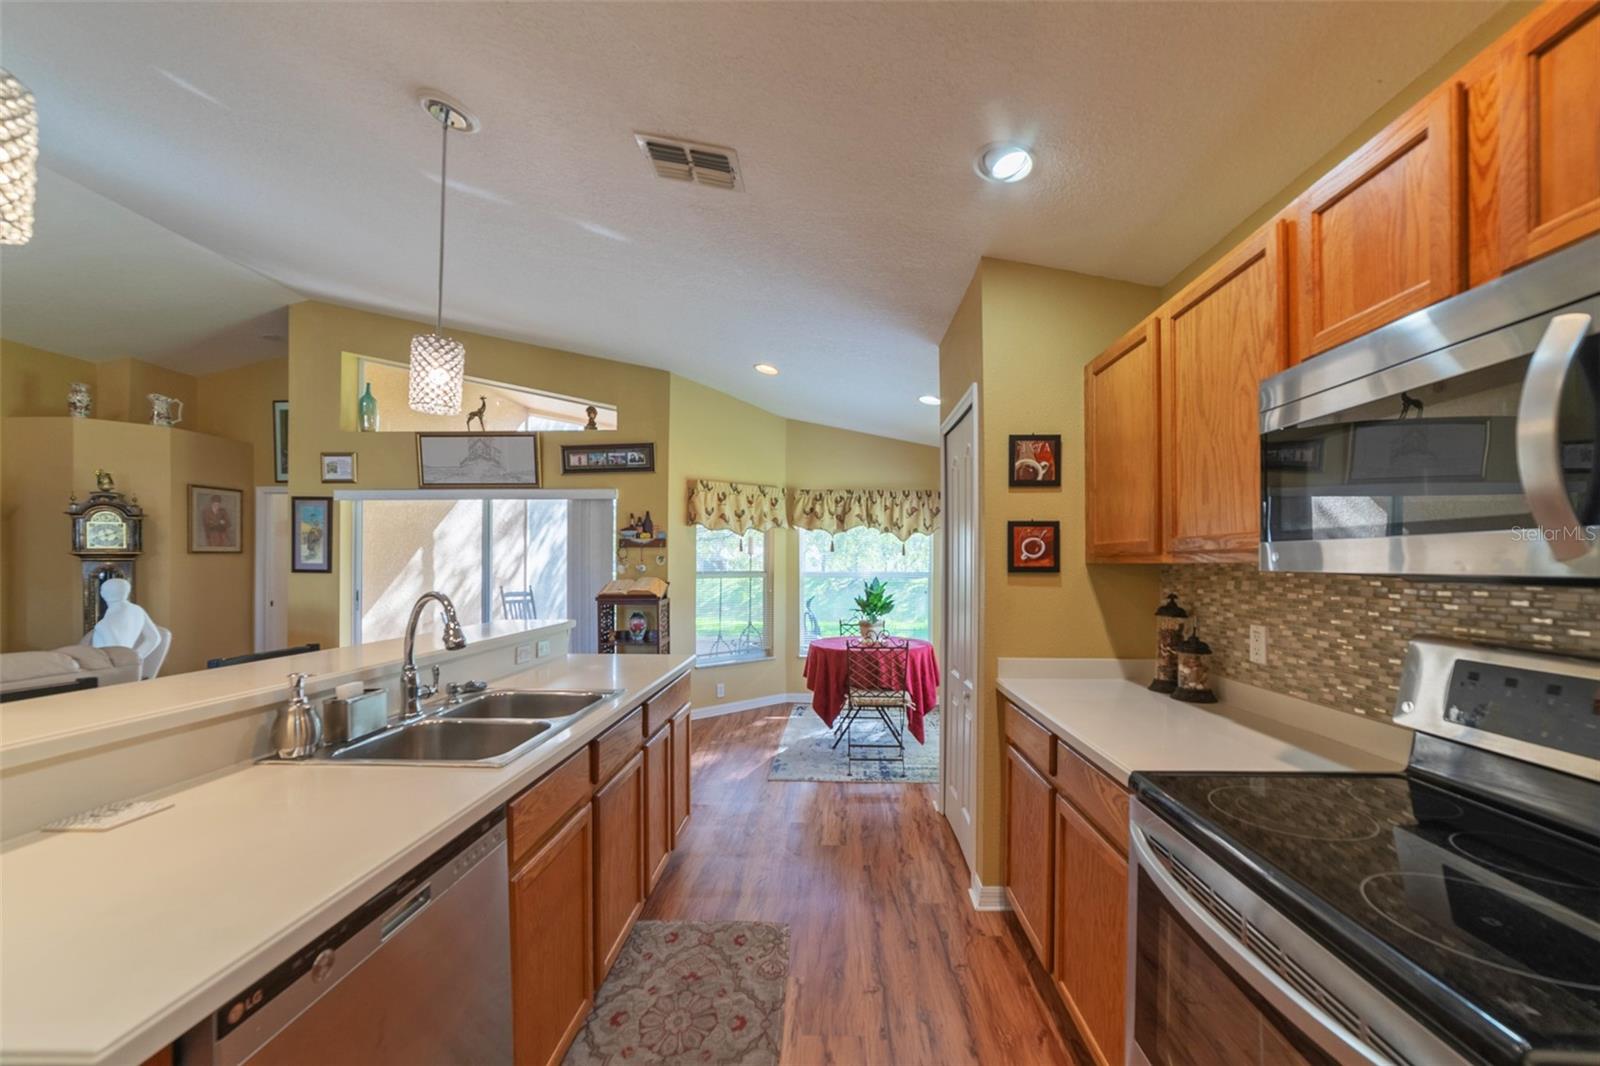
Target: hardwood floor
[(889, 963)]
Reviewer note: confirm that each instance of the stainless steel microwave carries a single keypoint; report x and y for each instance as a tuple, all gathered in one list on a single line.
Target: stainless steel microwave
[(1456, 442)]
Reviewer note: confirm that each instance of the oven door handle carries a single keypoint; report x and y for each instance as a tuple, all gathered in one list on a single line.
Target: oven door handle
[(1539, 437), (1295, 1008)]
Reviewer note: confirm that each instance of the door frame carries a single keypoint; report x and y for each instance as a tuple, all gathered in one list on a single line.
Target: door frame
[(967, 405), (262, 546)]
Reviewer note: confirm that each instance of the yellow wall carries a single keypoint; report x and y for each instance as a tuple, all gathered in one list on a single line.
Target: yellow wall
[(237, 404), (1419, 87), (1025, 333), (321, 404), (34, 381), (124, 387)]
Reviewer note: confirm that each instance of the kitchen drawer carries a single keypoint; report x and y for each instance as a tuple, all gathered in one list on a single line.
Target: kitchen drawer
[(1098, 798), (664, 704), (1033, 740), (539, 809), (613, 748)]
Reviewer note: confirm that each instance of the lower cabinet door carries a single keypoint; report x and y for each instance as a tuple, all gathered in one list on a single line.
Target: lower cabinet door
[(1028, 850), (619, 872), (657, 804), (680, 774), (552, 943), (1091, 932)]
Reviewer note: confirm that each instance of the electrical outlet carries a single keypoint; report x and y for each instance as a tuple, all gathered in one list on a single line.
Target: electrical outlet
[(1258, 645), (544, 649), (722, 690), (523, 653)]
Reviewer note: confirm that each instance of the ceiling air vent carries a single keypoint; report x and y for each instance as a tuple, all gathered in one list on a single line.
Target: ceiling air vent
[(678, 160)]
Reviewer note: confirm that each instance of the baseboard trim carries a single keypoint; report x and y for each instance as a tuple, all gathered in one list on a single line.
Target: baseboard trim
[(716, 710), (988, 897)]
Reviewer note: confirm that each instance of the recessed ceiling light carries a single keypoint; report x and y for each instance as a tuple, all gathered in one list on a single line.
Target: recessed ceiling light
[(767, 369), (931, 401), (1005, 163)]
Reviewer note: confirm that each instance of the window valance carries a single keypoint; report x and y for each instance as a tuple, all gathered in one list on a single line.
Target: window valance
[(898, 511), (739, 506)]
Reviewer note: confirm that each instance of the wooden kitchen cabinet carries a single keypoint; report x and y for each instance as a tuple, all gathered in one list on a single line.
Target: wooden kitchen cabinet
[(1549, 174), (1220, 336), (619, 873), (680, 773), (1029, 851), (1381, 235), (1122, 438), (1091, 922), (657, 805), (552, 943)]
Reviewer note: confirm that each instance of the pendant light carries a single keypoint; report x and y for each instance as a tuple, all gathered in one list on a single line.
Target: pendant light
[(438, 363), (19, 158)]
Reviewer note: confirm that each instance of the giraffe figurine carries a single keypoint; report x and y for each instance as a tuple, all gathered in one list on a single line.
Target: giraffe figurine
[(483, 405)]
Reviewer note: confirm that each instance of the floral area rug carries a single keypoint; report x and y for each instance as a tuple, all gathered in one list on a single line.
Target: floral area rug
[(806, 752), (691, 992)]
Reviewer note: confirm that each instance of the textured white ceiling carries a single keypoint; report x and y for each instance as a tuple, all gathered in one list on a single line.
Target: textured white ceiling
[(285, 137)]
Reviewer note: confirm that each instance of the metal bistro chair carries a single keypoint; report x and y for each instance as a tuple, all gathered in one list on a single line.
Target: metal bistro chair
[(518, 604), (876, 692)]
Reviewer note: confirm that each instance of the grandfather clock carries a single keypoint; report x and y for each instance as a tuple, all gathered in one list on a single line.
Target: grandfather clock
[(107, 537)]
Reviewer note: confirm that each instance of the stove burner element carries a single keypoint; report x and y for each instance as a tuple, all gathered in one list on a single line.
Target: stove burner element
[(1295, 812), (1557, 864), (1453, 912)]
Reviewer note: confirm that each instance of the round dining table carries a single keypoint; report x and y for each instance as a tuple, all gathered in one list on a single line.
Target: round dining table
[(827, 677)]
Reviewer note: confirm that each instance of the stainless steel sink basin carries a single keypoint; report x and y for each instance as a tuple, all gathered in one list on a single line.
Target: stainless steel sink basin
[(544, 706), (445, 741)]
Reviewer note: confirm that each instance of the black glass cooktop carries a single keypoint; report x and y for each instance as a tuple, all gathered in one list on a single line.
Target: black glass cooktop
[(1486, 925)]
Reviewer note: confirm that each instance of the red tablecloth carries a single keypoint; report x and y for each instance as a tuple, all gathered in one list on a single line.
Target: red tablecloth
[(826, 680)]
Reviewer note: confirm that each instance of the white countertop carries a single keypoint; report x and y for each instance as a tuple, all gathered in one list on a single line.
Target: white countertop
[(1123, 727), (51, 726), (113, 944)]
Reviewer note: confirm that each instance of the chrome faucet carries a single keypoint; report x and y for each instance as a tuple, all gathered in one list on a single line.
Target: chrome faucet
[(411, 692)]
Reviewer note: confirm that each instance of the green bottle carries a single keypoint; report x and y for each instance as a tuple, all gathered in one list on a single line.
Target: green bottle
[(369, 411)]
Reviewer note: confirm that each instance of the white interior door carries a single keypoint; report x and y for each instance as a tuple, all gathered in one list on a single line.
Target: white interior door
[(272, 569), (963, 600)]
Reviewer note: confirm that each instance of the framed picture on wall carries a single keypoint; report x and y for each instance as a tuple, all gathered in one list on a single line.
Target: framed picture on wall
[(477, 460), (338, 468), (1033, 547), (216, 519), (280, 440), (311, 524), (612, 459), (1035, 460)]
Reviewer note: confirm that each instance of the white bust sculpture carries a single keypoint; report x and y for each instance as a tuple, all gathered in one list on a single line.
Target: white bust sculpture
[(125, 624)]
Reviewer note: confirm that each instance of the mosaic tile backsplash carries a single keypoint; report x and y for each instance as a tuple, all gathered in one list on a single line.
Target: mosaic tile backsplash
[(1338, 640)]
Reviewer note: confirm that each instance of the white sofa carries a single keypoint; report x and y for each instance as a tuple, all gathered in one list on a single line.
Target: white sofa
[(66, 666)]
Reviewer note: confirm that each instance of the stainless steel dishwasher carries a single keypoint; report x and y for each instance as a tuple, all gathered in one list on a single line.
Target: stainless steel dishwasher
[(420, 973)]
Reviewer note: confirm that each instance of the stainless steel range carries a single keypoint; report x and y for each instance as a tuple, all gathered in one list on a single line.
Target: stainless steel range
[(1450, 913)]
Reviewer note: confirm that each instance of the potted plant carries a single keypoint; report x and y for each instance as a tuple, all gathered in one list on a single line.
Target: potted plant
[(874, 604)]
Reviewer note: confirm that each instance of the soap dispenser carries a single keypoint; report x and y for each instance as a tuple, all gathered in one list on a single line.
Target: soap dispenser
[(297, 729)]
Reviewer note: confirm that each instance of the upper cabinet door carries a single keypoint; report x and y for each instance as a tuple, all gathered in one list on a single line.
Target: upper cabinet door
[(1122, 437), (1224, 333), (1550, 170), (1380, 235)]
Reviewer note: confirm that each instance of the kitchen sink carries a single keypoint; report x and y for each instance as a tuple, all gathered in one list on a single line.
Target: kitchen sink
[(437, 740), (544, 706)]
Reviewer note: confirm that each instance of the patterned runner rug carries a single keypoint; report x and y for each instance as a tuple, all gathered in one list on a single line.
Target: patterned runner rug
[(691, 992), (806, 753)]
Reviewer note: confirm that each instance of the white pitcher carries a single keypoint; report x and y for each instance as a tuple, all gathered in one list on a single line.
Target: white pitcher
[(165, 410)]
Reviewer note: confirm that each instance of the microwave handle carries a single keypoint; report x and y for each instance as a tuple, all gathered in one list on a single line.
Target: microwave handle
[(1295, 1008), (1539, 436)]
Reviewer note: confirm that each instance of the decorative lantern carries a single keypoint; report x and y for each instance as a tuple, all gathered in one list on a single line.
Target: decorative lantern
[(19, 160), (1194, 670), (1169, 633)]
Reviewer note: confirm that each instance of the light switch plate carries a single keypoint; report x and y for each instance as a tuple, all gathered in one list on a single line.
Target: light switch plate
[(1258, 645), (523, 653), (722, 690), (543, 649)]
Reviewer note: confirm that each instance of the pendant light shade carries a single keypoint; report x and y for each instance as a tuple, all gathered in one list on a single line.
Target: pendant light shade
[(439, 363), (19, 158)]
